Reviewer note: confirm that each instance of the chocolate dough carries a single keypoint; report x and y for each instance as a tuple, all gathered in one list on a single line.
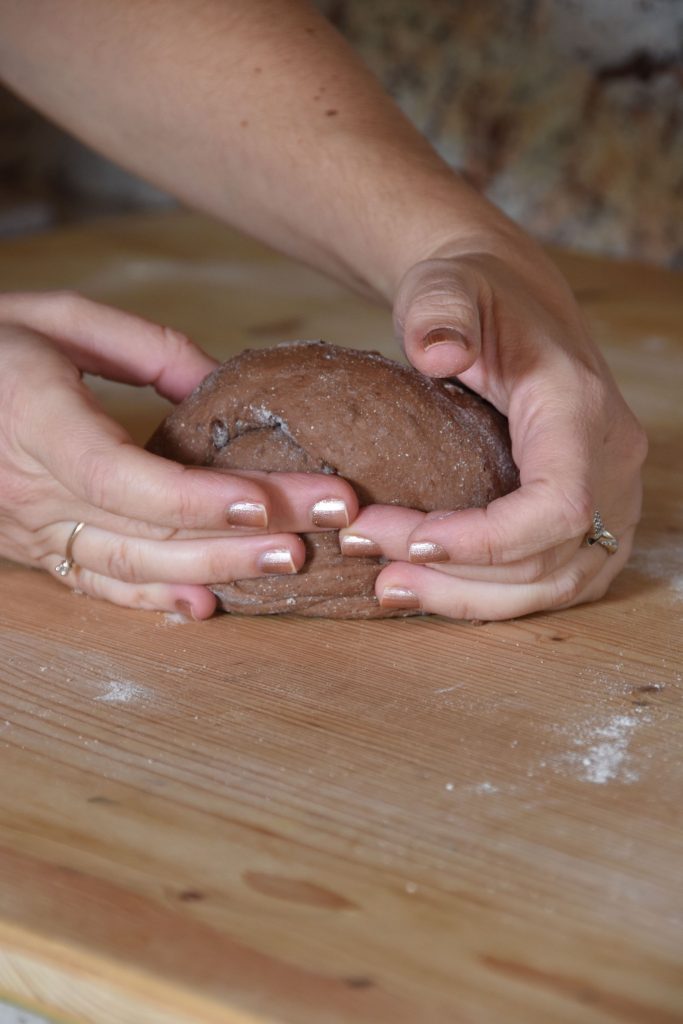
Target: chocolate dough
[(398, 437)]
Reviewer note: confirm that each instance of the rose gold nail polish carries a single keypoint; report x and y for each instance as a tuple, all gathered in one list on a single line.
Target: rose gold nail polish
[(444, 336), (331, 513), (278, 562), (247, 513), (185, 608), (426, 551), (359, 546), (399, 597)]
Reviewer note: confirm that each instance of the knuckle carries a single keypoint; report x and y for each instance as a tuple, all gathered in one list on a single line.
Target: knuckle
[(451, 307), (119, 561), (464, 610), (42, 544), (491, 546), (638, 443), (175, 343), (218, 567), (186, 511), (141, 597), (434, 287), (568, 587), (627, 440), (86, 582), (66, 302), (537, 568)]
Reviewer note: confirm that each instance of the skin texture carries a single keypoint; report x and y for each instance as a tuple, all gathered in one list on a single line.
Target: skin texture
[(261, 115)]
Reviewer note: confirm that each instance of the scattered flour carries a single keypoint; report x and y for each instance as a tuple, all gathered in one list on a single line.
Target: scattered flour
[(123, 691), (661, 562), (485, 787), (176, 619), (603, 753)]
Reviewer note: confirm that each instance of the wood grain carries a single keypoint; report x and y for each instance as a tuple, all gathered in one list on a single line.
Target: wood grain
[(299, 820)]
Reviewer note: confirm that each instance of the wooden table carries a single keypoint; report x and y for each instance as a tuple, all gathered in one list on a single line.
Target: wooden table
[(270, 820)]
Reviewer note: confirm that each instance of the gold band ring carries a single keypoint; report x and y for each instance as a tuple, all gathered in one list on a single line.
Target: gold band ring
[(67, 563)]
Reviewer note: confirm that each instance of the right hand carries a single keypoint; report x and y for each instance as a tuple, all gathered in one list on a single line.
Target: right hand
[(156, 532)]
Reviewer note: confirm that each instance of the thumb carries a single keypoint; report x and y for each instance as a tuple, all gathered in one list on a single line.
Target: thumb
[(436, 316)]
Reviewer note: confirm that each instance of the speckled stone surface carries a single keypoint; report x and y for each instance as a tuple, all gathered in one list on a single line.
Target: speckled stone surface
[(567, 113)]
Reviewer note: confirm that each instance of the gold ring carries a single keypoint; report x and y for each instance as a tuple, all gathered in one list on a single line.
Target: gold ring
[(67, 563), (602, 536)]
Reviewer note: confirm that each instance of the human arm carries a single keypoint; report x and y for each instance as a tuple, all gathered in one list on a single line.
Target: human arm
[(261, 115)]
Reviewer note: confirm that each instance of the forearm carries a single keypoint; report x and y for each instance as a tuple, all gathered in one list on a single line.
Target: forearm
[(258, 113)]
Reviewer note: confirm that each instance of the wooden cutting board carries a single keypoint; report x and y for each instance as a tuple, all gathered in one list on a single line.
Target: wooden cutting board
[(290, 820)]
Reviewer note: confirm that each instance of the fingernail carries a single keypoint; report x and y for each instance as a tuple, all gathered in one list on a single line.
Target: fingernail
[(359, 546), (426, 551), (330, 512), (278, 562), (444, 336), (399, 597), (185, 608), (247, 513)]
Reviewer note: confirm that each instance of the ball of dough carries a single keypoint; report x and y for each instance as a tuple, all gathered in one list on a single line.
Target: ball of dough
[(398, 437)]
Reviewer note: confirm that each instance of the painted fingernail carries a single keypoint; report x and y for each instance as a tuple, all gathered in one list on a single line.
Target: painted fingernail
[(426, 551), (185, 608), (359, 546), (444, 336), (278, 562), (247, 513), (399, 597), (331, 513)]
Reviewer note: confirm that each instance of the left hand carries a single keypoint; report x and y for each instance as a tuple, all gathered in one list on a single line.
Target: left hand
[(504, 321)]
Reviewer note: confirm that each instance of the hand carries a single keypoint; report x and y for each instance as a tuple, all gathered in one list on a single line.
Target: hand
[(505, 322), (156, 532)]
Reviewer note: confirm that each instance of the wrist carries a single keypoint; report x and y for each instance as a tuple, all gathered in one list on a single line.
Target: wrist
[(438, 215)]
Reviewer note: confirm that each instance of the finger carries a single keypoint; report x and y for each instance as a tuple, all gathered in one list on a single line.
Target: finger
[(193, 602), (113, 344), (388, 531), (404, 586), (521, 526), (556, 454), (437, 316), (380, 530), (97, 462), (307, 502), (135, 560)]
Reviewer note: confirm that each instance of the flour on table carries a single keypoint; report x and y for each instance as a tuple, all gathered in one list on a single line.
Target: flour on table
[(661, 562), (602, 753), (176, 619), (123, 691)]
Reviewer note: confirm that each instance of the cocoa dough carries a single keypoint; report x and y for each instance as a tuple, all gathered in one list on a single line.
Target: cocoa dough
[(398, 437)]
